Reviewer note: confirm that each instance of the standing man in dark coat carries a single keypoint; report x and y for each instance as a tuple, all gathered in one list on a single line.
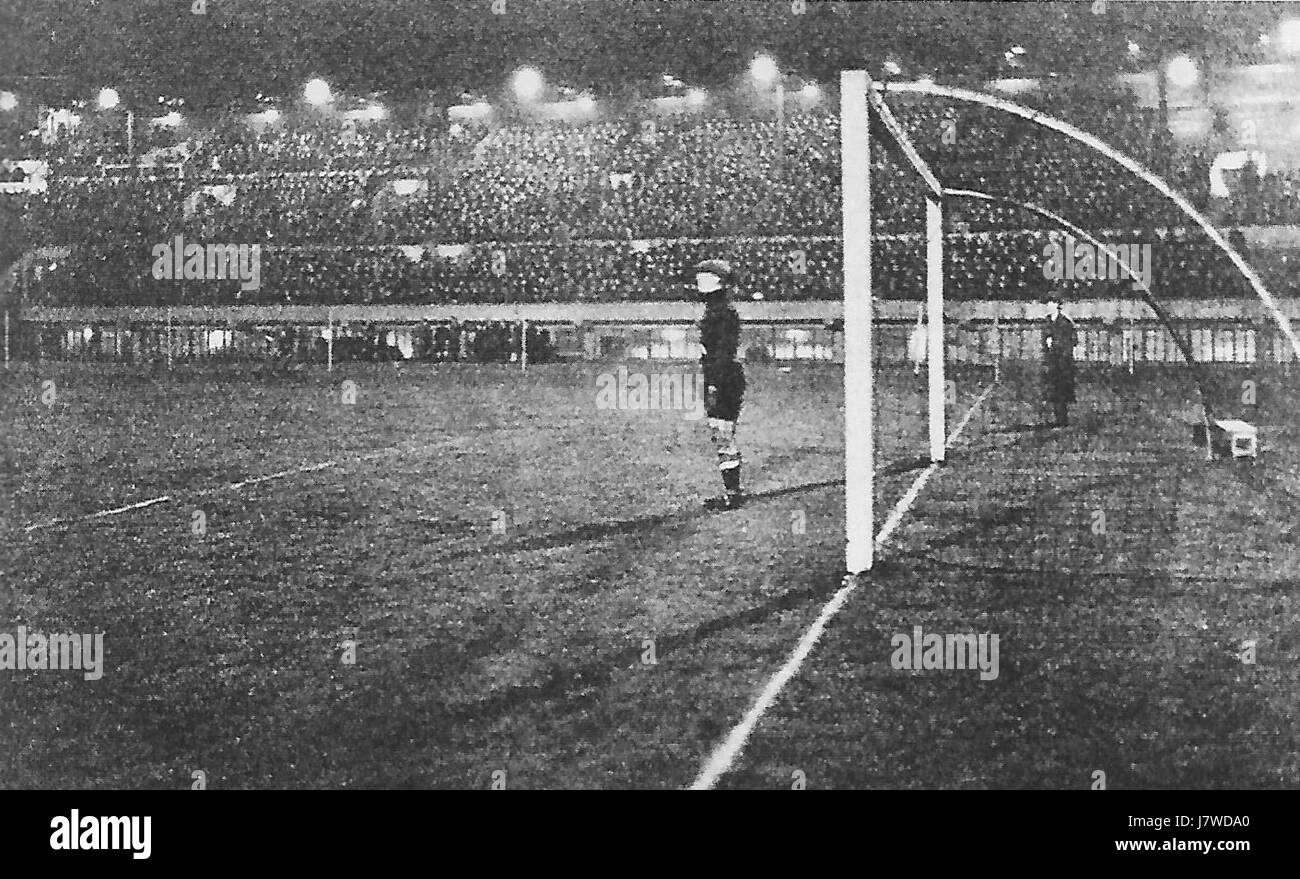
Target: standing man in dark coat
[(724, 378), (1059, 339), (444, 339), (424, 341)]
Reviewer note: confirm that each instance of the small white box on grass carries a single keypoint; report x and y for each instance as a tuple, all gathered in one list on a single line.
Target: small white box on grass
[(1230, 438)]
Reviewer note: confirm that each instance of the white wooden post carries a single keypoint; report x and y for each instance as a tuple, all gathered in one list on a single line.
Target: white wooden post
[(859, 437), (934, 314)]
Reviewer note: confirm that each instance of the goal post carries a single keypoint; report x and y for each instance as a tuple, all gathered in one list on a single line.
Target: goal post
[(934, 317), (859, 429), (858, 100)]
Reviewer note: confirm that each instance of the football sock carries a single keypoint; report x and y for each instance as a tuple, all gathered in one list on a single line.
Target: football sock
[(729, 464)]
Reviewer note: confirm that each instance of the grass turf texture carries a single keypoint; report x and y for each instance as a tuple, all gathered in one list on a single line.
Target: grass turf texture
[(528, 650)]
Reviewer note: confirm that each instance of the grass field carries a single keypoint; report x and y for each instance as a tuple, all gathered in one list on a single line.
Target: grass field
[(533, 588)]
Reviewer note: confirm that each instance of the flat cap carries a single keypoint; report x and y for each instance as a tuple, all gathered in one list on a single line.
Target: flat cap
[(719, 267)]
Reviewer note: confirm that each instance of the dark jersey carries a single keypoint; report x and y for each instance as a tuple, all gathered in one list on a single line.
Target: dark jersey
[(720, 337)]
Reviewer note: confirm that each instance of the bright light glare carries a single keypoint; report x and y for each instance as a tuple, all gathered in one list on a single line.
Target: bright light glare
[(1182, 71), (317, 92), (1289, 35), (763, 69), (8, 100), (108, 99), (528, 83)]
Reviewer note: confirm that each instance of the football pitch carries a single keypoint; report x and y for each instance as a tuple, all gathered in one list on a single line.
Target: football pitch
[(458, 577)]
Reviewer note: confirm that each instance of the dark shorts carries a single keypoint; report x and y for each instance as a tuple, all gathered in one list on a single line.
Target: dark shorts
[(730, 384)]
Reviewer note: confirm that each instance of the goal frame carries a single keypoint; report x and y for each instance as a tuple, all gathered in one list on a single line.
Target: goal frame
[(859, 102), (858, 97)]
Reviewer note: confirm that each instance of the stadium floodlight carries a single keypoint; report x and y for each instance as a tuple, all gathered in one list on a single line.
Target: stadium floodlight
[(763, 69), (811, 92), (8, 100), (270, 114), (317, 92), (108, 98), (1182, 71), (528, 83), (1288, 34), (696, 97), (764, 72)]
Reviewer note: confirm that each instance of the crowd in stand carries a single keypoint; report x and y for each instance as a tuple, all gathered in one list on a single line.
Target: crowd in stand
[(618, 210), (995, 265)]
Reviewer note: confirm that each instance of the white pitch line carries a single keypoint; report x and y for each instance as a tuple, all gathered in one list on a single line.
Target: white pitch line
[(129, 507), (308, 468), (230, 486), (234, 486), (725, 755), (50, 523)]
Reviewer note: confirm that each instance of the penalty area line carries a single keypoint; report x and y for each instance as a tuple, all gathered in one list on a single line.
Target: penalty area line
[(229, 486), (400, 448), (726, 753)]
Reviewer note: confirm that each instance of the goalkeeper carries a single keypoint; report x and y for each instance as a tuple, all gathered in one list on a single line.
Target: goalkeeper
[(724, 379)]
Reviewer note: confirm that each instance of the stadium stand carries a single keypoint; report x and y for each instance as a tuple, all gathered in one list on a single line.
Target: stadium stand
[(611, 211)]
